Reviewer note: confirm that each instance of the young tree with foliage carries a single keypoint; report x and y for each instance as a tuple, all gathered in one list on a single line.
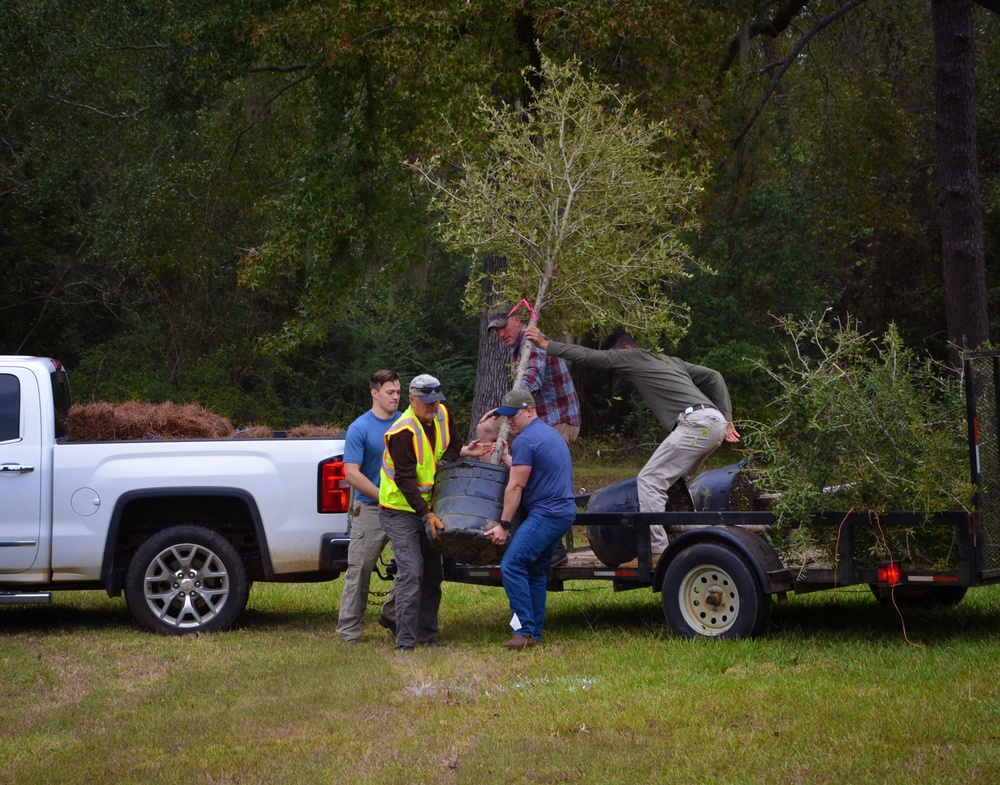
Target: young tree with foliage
[(864, 416), (582, 198)]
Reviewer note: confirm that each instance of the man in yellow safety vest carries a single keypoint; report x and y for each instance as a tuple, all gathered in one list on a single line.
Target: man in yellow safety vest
[(417, 442)]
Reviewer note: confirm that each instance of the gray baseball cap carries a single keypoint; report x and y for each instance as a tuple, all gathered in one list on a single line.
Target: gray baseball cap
[(426, 388)]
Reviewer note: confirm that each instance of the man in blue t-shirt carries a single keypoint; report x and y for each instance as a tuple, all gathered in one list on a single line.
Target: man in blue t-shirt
[(541, 478), (362, 464)]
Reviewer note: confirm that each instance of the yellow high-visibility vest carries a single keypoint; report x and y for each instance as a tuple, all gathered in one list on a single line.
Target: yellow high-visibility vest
[(389, 494)]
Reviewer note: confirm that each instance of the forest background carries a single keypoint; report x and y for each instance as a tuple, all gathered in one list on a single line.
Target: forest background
[(210, 201)]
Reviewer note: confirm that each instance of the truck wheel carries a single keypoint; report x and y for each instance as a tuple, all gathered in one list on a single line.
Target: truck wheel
[(186, 579), (710, 590)]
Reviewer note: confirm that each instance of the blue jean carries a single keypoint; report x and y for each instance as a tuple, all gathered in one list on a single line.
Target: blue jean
[(524, 569)]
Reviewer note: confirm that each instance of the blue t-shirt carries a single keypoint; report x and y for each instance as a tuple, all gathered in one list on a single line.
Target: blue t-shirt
[(549, 490), (364, 447)]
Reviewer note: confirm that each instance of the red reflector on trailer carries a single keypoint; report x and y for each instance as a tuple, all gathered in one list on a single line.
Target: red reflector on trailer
[(334, 492), (888, 572)]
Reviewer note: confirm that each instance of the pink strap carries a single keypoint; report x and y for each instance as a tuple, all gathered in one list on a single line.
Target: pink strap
[(527, 305)]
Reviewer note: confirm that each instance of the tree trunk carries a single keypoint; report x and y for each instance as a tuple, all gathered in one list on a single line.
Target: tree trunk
[(962, 252), (493, 366)]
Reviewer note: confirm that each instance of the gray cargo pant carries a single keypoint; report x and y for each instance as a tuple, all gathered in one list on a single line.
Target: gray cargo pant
[(418, 580)]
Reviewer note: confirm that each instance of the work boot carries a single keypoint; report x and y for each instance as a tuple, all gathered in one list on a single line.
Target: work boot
[(389, 624)]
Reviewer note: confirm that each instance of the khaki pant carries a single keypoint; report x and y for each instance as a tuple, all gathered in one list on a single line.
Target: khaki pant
[(567, 431), (367, 541), (696, 436)]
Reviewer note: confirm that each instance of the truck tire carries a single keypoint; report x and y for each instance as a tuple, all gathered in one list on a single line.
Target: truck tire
[(186, 579), (709, 590)]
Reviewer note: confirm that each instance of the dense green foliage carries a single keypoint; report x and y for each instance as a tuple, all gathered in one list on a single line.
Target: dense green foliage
[(860, 424), (211, 201)]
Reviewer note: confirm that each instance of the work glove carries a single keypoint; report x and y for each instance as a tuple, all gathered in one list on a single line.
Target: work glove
[(433, 525)]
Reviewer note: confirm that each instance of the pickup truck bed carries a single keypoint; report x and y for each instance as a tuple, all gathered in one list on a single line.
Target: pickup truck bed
[(181, 526)]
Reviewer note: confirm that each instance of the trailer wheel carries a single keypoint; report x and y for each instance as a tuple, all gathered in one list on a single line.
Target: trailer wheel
[(710, 590), (186, 579)]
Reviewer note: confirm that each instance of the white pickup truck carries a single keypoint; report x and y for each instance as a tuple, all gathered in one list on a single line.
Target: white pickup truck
[(182, 526)]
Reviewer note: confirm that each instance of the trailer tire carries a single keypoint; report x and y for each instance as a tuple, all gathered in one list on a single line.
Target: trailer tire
[(709, 590), (186, 579)]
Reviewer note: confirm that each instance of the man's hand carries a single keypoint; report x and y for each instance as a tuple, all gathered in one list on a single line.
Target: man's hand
[(732, 435), (534, 335), (433, 525), (498, 534), (476, 449), (507, 459)]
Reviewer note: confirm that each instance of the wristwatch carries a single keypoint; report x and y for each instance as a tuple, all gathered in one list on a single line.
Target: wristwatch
[(505, 525)]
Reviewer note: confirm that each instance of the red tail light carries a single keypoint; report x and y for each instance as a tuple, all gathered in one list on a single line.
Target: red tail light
[(888, 572), (334, 492)]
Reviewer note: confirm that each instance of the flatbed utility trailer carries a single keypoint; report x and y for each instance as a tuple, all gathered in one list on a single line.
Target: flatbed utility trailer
[(722, 566)]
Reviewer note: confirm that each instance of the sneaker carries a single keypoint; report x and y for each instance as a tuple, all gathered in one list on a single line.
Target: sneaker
[(404, 648), (389, 624), (518, 642)]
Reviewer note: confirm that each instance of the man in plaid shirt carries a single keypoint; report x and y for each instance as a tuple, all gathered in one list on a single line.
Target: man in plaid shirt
[(547, 378)]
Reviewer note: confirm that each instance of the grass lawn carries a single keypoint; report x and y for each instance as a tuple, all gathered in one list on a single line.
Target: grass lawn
[(834, 694), (841, 690)]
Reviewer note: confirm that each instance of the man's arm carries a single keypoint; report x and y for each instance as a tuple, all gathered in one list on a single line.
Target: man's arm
[(712, 383), (456, 449), (358, 481), (404, 460), (516, 483), (581, 355), (534, 373)]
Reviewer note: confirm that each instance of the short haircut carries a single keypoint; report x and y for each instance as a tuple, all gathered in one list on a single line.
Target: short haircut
[(619, 339), (382, 377)]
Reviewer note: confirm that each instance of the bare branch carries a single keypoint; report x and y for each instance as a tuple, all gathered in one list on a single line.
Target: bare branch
[(779, 68), (772, 27), (123, 47), (121, 116), (278, 69), (271, 99)]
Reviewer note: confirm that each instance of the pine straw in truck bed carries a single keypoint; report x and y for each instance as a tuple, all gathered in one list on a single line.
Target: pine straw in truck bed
[(102, 421)]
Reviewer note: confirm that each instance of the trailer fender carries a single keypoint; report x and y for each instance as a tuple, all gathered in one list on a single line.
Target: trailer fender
[(773, 576)]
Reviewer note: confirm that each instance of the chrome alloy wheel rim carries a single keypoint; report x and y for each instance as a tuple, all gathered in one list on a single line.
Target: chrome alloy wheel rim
[(186, 585)]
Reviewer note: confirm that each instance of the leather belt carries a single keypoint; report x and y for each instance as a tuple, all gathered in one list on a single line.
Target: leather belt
[(698, 407)]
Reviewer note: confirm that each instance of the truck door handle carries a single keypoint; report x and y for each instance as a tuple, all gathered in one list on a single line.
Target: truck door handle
[(14, 468)]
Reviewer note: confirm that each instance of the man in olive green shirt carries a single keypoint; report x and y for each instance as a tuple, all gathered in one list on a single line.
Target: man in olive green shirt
[(690, 401)]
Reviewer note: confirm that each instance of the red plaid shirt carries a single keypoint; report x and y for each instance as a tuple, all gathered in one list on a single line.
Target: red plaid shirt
[(547, 378)]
